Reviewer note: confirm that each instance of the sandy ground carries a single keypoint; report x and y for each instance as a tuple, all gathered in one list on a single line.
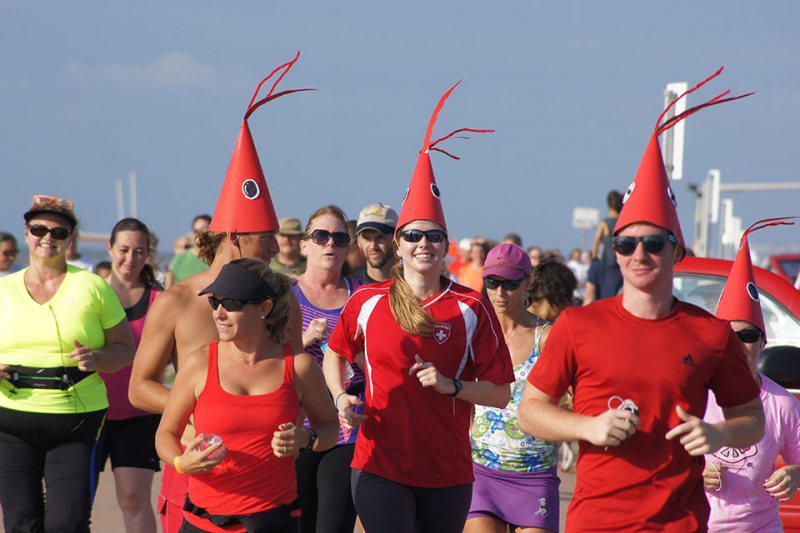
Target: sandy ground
[(107, 518)]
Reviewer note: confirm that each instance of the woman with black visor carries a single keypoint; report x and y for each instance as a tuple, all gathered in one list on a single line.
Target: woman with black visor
[(247, 390), (59, 326)]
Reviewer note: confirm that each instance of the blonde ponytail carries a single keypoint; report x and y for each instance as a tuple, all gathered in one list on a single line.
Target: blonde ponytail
[(406, 309)]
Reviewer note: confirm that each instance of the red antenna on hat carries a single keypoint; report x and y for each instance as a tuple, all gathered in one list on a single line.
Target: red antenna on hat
[(428, 145), (244, 203), (286, 67), (767, 222), (739, 299), (719, 99)]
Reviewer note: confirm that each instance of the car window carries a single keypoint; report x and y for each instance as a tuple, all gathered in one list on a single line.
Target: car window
[(791, 267), (704, 291)]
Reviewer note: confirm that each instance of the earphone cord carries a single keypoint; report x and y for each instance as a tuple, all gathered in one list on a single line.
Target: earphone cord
[(68, 380), (719, 476)]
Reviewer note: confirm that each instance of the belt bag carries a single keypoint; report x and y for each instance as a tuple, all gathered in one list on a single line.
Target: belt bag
[(283, 514), (58, 378)]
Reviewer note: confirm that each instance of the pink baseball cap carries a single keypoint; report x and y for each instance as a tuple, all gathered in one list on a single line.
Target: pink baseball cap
[(507, 261)]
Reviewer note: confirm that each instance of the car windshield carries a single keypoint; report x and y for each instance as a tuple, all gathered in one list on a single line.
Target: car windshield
[(704, 291)]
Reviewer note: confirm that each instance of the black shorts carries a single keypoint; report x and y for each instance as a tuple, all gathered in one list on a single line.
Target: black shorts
[(131, 443)]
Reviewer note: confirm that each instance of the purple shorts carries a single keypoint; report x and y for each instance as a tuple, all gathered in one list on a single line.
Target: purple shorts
[(526, 499)]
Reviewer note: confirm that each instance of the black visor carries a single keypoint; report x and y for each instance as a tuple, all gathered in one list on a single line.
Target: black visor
[(239, 283)]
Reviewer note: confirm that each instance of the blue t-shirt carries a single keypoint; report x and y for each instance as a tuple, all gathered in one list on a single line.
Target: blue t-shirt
[(607, 279)]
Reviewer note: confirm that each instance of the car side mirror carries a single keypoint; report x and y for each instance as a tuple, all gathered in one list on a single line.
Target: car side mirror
[(782, 365)]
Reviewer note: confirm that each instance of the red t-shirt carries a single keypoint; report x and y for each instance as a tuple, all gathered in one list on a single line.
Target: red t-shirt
[(250, 479), (414, 435), (648, 482)]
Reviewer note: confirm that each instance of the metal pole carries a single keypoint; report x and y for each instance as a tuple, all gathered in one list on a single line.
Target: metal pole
[(120, 200), (132, 198), (747, 187)]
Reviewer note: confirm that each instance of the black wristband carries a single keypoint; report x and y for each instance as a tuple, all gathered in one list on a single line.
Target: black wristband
[(457, 384), (311, 440)]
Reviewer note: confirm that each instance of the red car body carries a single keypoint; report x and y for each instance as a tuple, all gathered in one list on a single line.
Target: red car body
[(785, 265), (783, 296)]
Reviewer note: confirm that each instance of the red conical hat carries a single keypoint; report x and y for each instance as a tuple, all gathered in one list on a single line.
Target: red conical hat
[(422, 201), (244, 204), (739, 299), (650, 198)]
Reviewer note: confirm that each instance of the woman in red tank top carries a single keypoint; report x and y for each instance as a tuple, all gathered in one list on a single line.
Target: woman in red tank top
[(247, 389)]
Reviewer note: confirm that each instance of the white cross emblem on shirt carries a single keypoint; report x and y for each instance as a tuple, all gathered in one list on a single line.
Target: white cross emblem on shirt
[(441, 332)]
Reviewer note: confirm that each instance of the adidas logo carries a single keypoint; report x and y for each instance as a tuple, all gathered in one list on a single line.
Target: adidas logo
[(687, 360)]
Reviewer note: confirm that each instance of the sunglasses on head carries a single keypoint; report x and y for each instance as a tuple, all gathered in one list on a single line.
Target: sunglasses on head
[(507, 284), (322, 236), (58, 234), (749, 335), (42, 200), (415, 235), (229, 304), (653, 244)]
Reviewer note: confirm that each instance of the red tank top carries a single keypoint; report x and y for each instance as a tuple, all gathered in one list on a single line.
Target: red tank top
[(250, 479)]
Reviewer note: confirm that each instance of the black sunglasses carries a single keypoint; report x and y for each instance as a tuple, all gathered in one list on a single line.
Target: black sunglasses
[(10, 253), (415, 235), (749, 335), (58, 234), (229, 304), (507, 284), (653, 244), (322, 236)]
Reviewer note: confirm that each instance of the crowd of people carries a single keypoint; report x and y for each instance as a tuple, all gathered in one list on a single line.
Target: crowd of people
[(377, 371)]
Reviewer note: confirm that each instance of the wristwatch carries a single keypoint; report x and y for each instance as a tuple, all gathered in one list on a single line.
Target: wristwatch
[(311, 440), (457, 384)]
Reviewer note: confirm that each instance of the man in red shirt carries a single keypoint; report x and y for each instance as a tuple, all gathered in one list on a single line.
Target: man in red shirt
[(641, 365)]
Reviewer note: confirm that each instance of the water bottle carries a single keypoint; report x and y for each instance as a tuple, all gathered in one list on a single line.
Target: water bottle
[(209, 439)]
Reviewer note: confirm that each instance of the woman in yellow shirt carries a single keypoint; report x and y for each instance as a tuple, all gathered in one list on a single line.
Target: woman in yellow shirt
[(59, 325)]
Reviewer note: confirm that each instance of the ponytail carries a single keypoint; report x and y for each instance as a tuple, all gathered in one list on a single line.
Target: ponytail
[(406, 309), (148, 277)]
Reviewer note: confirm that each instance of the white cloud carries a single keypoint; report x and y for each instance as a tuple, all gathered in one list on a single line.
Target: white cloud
[(172, 70)]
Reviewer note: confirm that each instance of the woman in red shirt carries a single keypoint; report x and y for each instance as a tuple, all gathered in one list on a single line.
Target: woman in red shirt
[(248, 389), (432, 348)]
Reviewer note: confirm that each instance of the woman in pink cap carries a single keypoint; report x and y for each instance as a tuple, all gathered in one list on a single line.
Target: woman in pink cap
[(516, 483)]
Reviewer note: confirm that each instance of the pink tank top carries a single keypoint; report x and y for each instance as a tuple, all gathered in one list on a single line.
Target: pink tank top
[(119, 407), (250, 479)]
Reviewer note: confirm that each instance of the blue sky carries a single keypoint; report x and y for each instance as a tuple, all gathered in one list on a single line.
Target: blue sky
[(91, 90)]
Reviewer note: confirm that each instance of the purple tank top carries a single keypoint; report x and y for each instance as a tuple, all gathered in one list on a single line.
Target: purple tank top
[(354, 378)]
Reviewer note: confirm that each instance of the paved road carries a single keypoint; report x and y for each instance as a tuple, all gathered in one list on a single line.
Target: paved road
[(107, 518)]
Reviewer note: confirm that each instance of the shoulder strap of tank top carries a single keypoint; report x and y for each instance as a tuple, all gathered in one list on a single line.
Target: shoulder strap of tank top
[(536, 338), (153, 294), (212, 373), (288, 364), (352, 284)]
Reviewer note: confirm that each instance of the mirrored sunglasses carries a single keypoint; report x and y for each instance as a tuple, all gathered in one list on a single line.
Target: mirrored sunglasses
[(58, 233), (507, 284), (749, 335), (321, 237), (653, 244), (415, 235)]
